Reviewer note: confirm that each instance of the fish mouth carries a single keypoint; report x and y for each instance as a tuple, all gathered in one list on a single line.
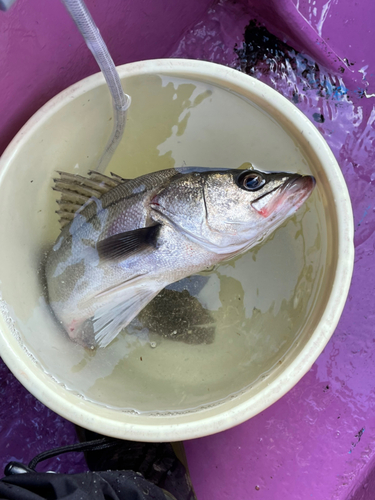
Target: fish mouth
[(290, 196)]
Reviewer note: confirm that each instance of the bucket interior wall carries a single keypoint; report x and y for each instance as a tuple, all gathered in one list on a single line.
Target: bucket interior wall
[(264, 313)]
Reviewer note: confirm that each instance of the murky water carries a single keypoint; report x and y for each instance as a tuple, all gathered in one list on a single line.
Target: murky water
[(211, 335)]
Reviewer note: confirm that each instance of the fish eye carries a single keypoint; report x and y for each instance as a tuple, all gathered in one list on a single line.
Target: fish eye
[(252, 181)]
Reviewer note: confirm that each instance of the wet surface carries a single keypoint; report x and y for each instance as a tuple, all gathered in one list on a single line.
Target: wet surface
[(319, 440), (27, 428)]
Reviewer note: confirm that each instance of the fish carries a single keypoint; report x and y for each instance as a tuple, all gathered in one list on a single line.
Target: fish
[(122, 241)]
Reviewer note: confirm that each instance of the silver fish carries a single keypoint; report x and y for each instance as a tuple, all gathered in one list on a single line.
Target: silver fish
[(123, 240)]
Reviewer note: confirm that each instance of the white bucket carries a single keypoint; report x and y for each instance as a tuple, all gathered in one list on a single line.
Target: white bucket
[(69, 134)]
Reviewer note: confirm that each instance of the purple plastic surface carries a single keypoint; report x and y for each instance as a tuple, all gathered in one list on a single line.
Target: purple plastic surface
[(318, 441), (42, 52), (28, 428)]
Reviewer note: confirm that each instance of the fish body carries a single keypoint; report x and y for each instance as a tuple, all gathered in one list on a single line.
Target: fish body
[(131, 238)]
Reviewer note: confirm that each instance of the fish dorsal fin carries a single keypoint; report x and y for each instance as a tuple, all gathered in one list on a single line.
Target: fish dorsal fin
[(125, 189), (118, 178), (77, 191)]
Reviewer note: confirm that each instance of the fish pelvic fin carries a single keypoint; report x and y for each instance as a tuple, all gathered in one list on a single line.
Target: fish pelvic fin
[(116, 314), (77, 191)]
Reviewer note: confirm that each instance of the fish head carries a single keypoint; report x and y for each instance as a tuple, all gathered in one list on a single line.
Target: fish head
[(253, 204), (229, 211)]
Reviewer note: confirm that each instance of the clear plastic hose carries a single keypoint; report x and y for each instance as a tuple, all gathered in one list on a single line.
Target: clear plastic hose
[(121, 101)]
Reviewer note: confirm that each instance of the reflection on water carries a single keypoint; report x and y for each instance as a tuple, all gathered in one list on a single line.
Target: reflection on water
[(209, 336)]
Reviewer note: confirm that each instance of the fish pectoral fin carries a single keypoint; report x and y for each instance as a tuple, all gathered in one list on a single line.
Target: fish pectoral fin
[(112, 317), (122, 245)]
